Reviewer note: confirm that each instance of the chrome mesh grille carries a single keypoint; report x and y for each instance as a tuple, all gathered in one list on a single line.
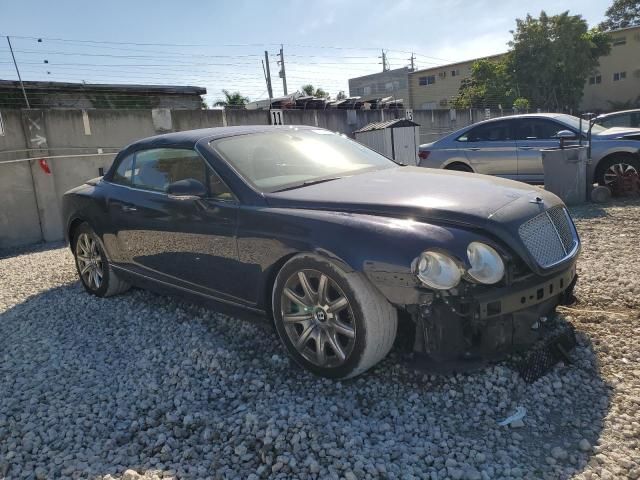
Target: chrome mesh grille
[(559, 218), (549, 236)]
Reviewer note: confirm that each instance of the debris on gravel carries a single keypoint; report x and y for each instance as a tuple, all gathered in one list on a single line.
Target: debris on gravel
[(141, 386)]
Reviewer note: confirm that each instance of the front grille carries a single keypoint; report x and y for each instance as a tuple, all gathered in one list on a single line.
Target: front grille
[(550, 236)]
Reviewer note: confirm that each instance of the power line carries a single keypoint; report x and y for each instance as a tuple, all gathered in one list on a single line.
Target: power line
[(181, 45), (238, 68)]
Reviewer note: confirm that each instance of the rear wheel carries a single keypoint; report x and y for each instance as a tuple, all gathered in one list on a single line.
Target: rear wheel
[(333, 323), (96, 275), (459, 167), (616, 172)]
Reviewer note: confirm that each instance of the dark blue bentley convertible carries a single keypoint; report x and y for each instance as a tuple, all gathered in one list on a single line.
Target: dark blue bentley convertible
[(329, 238)]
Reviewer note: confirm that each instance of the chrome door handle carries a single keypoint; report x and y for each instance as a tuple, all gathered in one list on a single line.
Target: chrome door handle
[(526, 148), (473, 149), (129, 208)]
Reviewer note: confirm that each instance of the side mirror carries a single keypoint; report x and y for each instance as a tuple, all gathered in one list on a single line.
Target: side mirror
[(566, 135), (188, 189)]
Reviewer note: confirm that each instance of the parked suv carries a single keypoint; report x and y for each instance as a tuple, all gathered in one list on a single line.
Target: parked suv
[(510, 147)]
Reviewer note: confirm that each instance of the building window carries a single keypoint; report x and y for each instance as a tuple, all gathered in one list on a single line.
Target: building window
[(442, 74), (455, 73), (428, 80), (619, 41), (595, 79), (619, 76)]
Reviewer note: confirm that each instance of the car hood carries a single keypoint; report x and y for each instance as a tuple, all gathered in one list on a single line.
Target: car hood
[(619, 133), (425, 194)]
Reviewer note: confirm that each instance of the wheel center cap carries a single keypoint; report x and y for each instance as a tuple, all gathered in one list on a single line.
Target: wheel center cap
[(320, 315)]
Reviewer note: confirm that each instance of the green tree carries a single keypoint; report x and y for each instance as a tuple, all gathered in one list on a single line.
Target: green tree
[(234, 99), (551, 58), (489, 86), (521, 104), (314, 92), (341, 95), (621, 14)]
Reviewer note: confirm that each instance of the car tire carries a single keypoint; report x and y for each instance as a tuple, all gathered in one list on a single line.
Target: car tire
[(618, 163), (372, 319), (95, 272), (459, 167)]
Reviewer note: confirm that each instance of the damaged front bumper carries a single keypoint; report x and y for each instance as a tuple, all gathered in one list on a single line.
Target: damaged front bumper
[(489, 325)]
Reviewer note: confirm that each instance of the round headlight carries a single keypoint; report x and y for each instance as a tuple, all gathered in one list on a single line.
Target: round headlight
[(486, 264), (438, 270)]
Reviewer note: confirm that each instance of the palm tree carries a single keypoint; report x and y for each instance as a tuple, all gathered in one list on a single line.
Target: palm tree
[(234, 99), (314, 92)]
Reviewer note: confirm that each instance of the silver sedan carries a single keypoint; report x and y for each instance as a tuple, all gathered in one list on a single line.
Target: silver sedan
[(510, 147)]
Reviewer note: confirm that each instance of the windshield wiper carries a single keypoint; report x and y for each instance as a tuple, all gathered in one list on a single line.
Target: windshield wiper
[(307, 183)]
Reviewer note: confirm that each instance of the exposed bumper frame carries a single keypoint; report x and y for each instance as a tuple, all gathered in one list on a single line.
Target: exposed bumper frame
[(493, 324), (505, 300)]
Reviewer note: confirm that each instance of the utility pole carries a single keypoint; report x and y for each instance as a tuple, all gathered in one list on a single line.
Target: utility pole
[(283, 74), (385, 65), (267, 74), (413, 57), (18, 72)]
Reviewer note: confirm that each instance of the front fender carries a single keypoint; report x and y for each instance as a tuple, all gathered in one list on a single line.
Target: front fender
[(381, 248)]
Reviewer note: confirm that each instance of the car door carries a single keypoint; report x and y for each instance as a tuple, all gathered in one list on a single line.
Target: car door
[(188, 242), (490, 148), (533, 135)]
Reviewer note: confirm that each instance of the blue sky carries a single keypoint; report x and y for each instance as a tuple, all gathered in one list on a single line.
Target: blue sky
[(219, 44)]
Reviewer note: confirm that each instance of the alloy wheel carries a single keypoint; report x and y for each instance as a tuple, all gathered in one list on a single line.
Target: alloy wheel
[(90, 263), (616, 172), (318, 318)]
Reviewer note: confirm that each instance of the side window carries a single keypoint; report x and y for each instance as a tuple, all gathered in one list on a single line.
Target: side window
[(618, 121), (635, 120), (537, 129), (217, 188), (157, 168), (124, 172), (488, 132)]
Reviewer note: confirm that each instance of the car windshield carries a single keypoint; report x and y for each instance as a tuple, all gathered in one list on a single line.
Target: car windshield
[(574, 122), (292, 158)]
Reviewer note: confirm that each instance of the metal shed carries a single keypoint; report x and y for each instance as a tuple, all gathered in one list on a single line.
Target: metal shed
[(398, 139)]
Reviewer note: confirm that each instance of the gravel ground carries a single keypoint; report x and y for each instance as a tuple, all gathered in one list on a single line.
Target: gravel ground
[(143, 386)]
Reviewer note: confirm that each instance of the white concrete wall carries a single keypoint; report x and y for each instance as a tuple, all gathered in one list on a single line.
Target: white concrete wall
[(30, 199)]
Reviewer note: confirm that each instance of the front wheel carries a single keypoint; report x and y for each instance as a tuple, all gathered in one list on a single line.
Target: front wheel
[(333, 323)]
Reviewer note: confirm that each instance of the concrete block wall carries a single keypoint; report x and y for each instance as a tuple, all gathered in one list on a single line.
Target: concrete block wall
[(78, 143)]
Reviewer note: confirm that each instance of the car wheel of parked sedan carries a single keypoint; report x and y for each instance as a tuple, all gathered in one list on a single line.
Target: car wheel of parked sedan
[(96, 275), (459, 167), (612, 171), (333, 323)]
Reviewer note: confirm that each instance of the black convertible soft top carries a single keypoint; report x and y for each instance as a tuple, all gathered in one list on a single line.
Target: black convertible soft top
[(189, 138)]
